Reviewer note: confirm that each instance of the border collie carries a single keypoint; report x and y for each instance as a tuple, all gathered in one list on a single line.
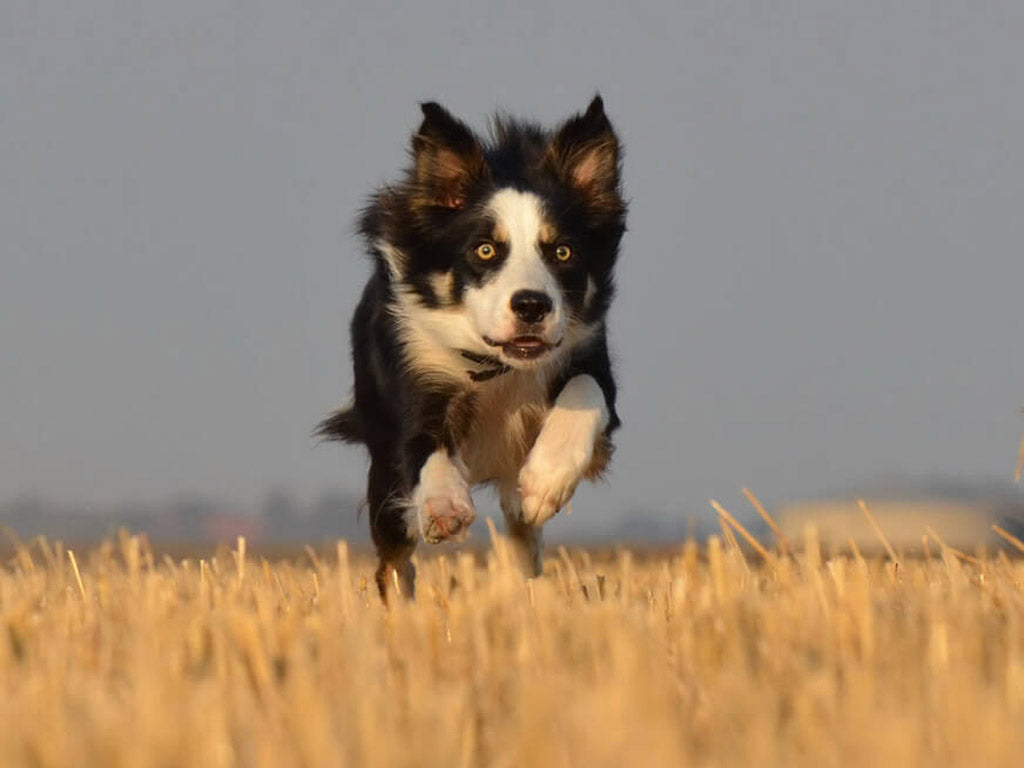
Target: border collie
[(479, 344)]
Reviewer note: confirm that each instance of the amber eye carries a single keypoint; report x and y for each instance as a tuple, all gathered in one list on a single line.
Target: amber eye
[(563, 253), (485, 251)]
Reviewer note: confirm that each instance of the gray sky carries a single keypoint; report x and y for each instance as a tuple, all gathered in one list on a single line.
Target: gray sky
[(821, 284)]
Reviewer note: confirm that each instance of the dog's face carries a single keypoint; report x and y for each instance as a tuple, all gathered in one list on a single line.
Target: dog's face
[(505, 248)]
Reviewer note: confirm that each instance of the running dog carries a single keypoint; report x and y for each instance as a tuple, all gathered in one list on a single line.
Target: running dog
[(479, 346)]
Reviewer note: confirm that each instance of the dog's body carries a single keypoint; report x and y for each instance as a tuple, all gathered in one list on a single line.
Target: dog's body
[(479, 343)]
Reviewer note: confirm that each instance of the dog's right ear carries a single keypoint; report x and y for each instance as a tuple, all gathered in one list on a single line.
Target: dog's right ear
[(448, 158)]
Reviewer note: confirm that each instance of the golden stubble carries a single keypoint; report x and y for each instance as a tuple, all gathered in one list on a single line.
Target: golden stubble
[(704, 655)]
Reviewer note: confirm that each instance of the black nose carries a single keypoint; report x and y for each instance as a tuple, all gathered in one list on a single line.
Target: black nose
[(530, 306)]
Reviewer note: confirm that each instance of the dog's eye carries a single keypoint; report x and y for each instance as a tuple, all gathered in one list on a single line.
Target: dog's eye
[(485, 251), (563, 253)]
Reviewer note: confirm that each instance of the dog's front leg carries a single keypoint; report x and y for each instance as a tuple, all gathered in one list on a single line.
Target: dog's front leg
[(440, 505), (423, 494), (564, 449), (527, 541)]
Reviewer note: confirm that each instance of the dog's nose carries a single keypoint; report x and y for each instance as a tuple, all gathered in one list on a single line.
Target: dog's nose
[(530, 306)]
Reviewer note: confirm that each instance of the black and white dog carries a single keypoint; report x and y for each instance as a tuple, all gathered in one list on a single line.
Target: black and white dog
[(479, 343)]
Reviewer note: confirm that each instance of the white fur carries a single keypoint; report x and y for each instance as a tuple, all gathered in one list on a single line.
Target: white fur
[(564, 449), (521, 215), (431, 338), (442, 492), (509, 412), (393, 258)]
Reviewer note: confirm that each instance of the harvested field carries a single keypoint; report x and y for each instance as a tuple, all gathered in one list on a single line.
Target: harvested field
[(703, 656)]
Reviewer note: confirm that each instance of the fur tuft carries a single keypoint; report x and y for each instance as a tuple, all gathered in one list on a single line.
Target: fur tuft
[(344, 425)]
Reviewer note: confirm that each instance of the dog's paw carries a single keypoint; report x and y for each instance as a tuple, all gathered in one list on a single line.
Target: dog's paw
[(548, 479), (446, 517), (563, 451), (441, 501)]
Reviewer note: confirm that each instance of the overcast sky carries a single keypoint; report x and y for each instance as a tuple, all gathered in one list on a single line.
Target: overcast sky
[(822, 282)]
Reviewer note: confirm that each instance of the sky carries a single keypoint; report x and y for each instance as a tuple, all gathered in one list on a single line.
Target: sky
[(820, 287)]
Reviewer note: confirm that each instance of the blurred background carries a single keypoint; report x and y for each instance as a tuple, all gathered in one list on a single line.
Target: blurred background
[(820, 291)]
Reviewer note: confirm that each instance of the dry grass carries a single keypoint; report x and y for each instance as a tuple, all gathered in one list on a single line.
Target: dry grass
[(701, 657)]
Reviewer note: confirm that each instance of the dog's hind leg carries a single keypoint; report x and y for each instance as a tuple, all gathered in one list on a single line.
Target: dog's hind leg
[(527, 540), (390, 532)]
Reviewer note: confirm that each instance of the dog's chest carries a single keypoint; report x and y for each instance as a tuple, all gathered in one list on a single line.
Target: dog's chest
[(507, 418)]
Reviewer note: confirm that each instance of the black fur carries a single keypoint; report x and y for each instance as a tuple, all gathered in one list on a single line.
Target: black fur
[(431, 219)]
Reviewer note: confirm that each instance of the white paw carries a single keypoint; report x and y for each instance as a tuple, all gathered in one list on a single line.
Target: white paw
[(563, 450), (441, 502), (550, 476)]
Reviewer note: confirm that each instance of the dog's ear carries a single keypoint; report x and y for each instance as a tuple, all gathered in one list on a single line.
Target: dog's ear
[(585, 154), (448, 158)]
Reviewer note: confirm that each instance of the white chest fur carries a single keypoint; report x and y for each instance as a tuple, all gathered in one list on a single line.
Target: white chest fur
[(510, 410)]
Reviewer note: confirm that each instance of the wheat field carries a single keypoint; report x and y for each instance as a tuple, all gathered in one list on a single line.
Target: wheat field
[(707, 655)]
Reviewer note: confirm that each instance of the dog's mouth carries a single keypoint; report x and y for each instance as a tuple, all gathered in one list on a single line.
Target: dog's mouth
[(525, 347)]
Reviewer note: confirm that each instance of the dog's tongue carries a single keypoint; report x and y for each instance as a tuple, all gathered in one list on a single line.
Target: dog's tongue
[(526, 347), (527, 341)]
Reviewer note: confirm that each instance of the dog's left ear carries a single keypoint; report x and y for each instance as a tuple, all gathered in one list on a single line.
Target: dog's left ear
[(585, 153), (448, 158)]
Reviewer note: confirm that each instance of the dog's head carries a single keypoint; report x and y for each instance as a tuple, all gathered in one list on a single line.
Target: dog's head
[(504, 247)]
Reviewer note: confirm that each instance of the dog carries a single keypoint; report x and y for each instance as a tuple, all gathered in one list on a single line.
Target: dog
[(479, 345)]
